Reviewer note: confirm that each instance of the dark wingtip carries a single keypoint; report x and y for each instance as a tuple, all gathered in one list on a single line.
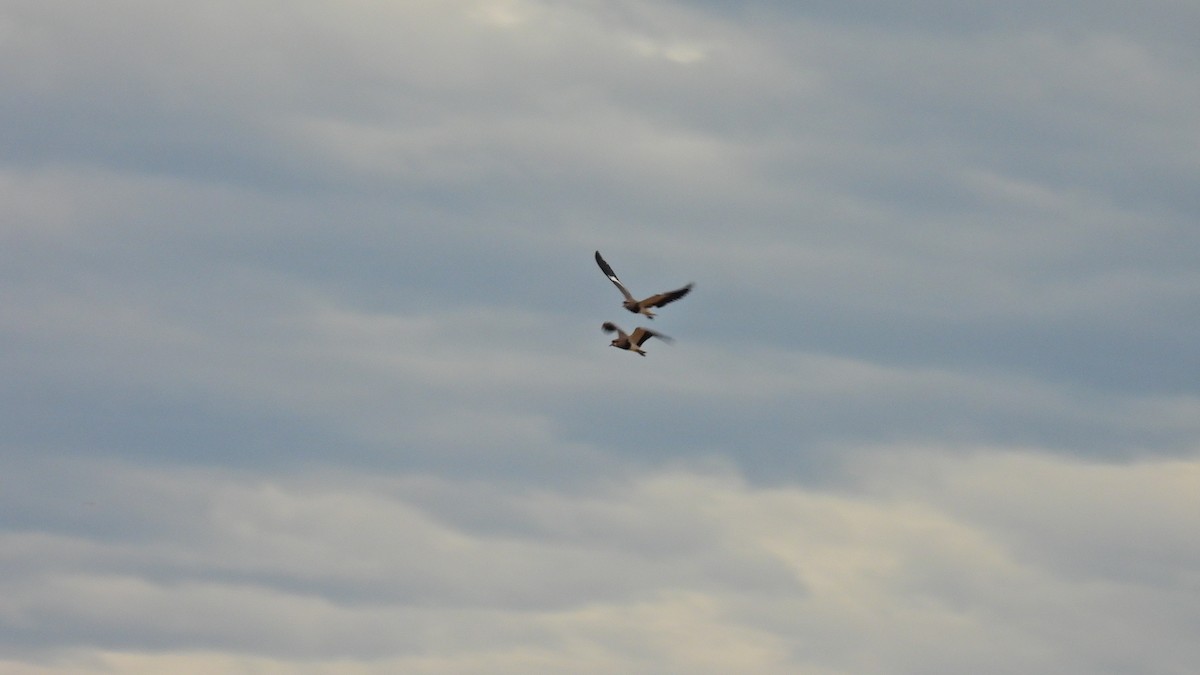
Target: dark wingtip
[(608, 327)]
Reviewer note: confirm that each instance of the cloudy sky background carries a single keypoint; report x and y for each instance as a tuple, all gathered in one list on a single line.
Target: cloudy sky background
[(302, 368)]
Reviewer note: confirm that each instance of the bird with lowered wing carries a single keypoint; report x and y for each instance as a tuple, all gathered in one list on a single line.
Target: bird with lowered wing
[(632, 341)]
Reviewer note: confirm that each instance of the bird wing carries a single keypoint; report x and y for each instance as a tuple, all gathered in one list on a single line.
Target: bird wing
[(640, 335), (612, 276), (666, 298), (610, 327)]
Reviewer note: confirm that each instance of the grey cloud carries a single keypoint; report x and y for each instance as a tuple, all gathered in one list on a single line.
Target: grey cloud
[(322, 274), (320, 567)]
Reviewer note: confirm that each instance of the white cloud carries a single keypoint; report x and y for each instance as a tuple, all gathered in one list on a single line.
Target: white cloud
[(927, 563)]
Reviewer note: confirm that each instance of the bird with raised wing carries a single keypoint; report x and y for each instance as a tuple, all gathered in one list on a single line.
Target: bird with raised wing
[(631, 342), (640, 306)]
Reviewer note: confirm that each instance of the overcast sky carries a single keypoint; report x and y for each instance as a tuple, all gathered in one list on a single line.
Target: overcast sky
[(302, 368)]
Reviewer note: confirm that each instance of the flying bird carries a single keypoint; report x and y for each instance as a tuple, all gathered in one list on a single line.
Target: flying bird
[(632, 342), (640, 306)]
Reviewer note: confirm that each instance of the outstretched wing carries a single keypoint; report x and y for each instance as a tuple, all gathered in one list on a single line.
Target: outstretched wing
[(612, 276), (640, 335), (666, 298), (610, 327)]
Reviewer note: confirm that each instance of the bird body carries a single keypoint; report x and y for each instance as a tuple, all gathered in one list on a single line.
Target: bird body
[(640, 306), (632, 341)]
